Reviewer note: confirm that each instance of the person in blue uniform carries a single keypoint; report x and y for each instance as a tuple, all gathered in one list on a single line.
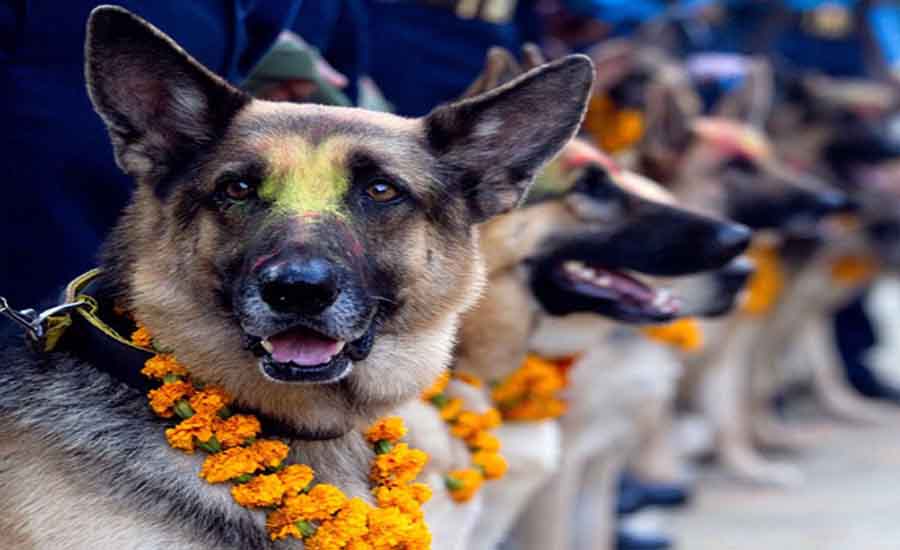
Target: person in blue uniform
[(424, 52), (62, 189)]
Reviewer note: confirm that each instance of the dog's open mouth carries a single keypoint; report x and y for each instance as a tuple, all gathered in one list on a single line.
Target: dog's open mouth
[(303, 355), (565, 286)]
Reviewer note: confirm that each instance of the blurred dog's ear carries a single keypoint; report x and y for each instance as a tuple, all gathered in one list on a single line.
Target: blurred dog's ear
[(613, 60), (751, 102), (158, 103), (499, 68), (491, 146), (668, 122), (532, 56)]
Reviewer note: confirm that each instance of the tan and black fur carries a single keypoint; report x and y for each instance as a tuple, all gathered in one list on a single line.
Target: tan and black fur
[(84, 463)]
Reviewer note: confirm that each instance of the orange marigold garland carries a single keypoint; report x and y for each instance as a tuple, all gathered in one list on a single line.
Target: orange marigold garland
[(853, 270), (532, 392), (319, 514), (767, 282), (683, 334), (472, 428)]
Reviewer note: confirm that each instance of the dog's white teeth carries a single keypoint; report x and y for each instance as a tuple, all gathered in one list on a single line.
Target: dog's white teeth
[(266, 345), (339, 347), (603, 280), (573, 266)]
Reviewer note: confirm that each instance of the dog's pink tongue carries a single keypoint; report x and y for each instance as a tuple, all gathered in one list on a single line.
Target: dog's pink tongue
[(304, 348)]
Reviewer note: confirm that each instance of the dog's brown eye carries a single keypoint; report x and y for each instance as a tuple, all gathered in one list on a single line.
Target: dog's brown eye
[(382, 191), (239, 190)]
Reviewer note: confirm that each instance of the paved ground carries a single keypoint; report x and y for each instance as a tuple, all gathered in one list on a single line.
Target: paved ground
[(851, 501)]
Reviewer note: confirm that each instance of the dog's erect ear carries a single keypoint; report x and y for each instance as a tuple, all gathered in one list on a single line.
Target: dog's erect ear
[(492, 145), (159, 104), (751, 102)]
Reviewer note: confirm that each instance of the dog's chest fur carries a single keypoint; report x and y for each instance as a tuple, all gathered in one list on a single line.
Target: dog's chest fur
[(84, 464)]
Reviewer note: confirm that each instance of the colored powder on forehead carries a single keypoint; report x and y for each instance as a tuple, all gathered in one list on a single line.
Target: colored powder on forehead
[(306, 179)]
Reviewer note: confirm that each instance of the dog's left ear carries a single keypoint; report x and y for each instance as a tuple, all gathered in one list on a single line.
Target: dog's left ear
[(158, 103), (492, 145)]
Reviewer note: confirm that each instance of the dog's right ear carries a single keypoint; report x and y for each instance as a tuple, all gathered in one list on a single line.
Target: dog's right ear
[(158, 103), (492, 145)]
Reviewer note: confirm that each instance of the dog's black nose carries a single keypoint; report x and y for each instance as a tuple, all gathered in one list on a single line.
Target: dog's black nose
[(733, 238), (735, 275), (834, 202), (307, 285)]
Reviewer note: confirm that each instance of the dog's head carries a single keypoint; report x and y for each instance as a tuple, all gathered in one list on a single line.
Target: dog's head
[(850, 131), (312, 260), (587, 244), (733, 171)]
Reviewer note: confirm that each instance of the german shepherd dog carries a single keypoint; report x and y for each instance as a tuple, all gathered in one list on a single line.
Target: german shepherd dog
[(843, 130), (311, 260), (533, 254), (729, 168), (571, 249)]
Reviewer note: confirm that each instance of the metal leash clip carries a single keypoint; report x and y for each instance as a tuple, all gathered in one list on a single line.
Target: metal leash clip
[(33, 322)]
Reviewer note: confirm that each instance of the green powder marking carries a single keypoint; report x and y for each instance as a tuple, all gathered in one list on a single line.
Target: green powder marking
[(305, 179)]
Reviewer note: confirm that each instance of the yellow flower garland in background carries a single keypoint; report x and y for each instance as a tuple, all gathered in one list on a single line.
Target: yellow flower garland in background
[(853, 270), (683, 334), (532, 392), (767, 282), (473, 429), (321, 514), (613, 129)]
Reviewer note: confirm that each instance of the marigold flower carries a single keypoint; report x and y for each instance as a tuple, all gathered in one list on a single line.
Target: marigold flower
[(484, 441), (161, 365), (684, 334), (210, 400), (389, 528), (186, 433), (398, 466), (852, 270), (438, 387), (358, 544), (296, 478), (452, 409), (767, 281), (163, 398), (319, 504), (235, 430), (402, 497), (466, 424), (390, 429), (230, 463), (271, 452), (281, 525), (492, 464), (421, 492), (350, 523), (491, 419), (141, 337), (464, 484), (261, 491)]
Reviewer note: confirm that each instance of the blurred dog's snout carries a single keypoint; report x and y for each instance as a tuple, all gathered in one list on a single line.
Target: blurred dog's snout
[(736, 274), (834, 202), (301, 284), (733, 239)]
